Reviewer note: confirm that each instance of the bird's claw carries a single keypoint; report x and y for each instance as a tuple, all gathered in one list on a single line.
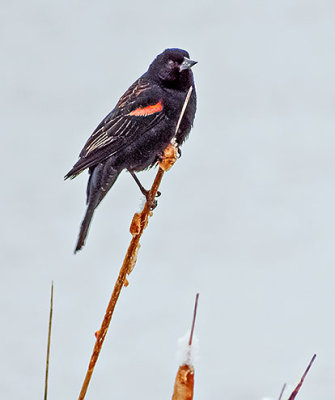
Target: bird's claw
[(153, 205)]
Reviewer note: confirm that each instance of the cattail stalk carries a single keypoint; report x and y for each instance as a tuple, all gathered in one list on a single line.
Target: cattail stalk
[(184, 382), (138, 224)]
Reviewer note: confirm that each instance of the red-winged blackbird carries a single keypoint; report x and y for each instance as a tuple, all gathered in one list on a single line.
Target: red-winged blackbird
[(134, 135)]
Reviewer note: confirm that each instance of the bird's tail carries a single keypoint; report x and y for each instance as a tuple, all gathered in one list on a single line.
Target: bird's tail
[(84, 227), (102, 178)]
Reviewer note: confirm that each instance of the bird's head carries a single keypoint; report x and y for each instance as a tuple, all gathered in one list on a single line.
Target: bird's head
[(173, 69)]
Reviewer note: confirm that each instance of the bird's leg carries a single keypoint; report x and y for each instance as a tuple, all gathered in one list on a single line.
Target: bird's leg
[(143, 190), (139, 184)]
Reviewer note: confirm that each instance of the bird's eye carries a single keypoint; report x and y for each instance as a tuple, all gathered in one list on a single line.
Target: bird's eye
[(170, 64)]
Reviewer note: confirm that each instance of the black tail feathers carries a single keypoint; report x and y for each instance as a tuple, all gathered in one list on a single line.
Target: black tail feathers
[(102, 178), (84, 227)]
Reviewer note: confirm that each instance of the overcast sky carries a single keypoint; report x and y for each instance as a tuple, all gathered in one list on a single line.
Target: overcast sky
[(246, 216)]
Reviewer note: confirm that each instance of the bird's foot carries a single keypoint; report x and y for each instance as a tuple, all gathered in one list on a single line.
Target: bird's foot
[(152, 202)]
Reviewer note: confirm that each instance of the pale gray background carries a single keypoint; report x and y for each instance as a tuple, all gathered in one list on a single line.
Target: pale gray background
[(246, 215)]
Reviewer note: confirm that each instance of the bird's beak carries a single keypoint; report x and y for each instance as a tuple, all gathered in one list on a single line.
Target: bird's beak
[(187, 64)]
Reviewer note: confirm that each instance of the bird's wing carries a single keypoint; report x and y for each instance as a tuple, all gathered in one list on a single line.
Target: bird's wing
[(137, 111)]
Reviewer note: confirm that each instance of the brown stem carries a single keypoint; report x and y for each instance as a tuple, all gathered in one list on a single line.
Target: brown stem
[(49, 340), (194, 317), (128, 264), (296, 390)]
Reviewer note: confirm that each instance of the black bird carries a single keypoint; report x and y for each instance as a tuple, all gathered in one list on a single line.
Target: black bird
[(135, 133)]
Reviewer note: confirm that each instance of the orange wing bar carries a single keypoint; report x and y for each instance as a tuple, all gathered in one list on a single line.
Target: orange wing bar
[(148, 110)]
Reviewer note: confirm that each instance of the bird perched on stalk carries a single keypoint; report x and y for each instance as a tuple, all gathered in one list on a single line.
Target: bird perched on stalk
[(135, 133)]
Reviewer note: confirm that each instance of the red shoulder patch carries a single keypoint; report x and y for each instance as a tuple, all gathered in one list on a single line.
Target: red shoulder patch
[(148, 110)]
